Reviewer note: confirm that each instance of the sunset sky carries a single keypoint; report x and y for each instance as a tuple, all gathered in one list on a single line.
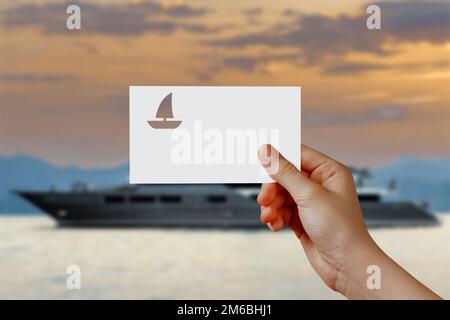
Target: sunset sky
[(368, 97)]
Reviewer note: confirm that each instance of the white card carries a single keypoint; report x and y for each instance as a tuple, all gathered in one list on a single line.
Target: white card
[(210, 134)]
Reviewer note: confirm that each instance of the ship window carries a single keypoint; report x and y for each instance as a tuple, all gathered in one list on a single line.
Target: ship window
[(369, 197), (142, 199), (217, 199), (171, 198), (114, 199)]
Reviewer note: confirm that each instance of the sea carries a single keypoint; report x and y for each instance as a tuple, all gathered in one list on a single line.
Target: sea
[(37, 260)]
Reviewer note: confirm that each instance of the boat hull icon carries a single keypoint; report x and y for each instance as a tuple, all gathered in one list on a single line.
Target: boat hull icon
[(164, 115)]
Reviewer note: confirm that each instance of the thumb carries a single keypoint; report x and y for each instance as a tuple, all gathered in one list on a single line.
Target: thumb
[(299, 186)]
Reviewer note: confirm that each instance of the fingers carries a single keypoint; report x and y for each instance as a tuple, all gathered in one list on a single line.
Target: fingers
[(281, 211), (322, 168), (267, 193), (268, 213), (298, 185), (312, 159), (283, 216), (278, 223), (276, 218)]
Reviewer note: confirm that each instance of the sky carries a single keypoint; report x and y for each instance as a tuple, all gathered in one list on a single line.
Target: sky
[(368, 96)]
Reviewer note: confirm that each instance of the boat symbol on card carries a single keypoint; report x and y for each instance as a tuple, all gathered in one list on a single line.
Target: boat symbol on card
[(164, 115)]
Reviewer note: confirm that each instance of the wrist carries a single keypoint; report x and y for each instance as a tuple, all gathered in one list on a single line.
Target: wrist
[(352, 275)]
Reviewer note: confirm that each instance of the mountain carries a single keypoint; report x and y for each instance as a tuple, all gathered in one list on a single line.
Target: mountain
[(25, 172), (432, 170), (418, 179)]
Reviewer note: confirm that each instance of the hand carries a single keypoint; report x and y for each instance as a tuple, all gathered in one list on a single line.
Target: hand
[(320, 204)]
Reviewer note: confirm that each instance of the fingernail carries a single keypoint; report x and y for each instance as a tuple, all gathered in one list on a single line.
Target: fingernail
[(263, 210), (265, 155), (277, 224), (268, 156)]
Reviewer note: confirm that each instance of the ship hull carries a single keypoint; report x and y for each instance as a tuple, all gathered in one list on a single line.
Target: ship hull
[(119, 210), (106, 210), (164, 124)]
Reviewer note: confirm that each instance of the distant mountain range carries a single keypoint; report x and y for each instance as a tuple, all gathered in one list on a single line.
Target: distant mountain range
[(418, 179), (23, 172)]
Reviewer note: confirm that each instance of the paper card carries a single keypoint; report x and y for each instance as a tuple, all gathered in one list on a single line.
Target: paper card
[(210, 134)]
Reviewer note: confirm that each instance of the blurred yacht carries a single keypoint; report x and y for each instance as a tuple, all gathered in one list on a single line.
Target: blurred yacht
[(204, 206)]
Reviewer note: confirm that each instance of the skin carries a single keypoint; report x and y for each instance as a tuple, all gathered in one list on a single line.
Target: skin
[(320, 205)]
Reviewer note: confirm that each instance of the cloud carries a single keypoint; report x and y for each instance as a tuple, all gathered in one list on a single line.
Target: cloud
[(370, 115), (26, 77), (127, 19), (289, 12), (253, 12), (246, 63), (344, 67), (242, 62), (253, 15), (181, 10), (326, 41), (250, 63), (347, 67), (417, 20), (319, 36)]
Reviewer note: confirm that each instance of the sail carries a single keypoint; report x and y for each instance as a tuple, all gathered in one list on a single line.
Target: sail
[(165, 108)]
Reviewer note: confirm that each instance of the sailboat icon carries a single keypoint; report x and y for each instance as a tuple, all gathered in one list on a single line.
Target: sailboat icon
[(165, 114)]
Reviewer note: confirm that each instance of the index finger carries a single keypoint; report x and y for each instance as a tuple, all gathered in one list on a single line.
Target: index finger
[(313, 159)]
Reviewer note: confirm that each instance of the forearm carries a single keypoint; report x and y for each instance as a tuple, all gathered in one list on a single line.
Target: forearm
[(395, 282)]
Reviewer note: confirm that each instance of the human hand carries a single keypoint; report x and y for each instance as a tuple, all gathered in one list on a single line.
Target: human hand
[(320, 204)]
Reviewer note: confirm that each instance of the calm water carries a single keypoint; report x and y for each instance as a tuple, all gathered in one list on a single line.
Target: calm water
[(158, 264)]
